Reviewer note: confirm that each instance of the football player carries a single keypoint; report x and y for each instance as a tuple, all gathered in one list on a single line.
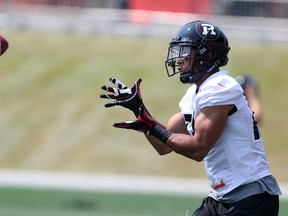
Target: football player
[(251, 92), (214, 124)]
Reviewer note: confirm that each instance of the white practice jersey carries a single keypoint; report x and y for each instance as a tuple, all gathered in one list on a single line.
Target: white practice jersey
[(238, 156)]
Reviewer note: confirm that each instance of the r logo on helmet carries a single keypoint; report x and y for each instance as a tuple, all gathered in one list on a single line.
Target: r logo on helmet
[(207, 30)]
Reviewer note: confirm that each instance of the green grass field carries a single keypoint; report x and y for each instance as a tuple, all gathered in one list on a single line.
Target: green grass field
[(44, 202), (51, 202), (53, 119)]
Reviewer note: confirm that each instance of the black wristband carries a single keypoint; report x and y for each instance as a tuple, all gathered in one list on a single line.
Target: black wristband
[(161, 133)]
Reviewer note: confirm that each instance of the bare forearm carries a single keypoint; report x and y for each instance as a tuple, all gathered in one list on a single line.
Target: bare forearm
[(160, 147), (187, 145), (175, 125)]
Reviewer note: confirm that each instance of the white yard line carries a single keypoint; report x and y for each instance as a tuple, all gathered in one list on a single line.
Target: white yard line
[(109, 182)]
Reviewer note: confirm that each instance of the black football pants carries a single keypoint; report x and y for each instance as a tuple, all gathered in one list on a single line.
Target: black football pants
[(262, 204)]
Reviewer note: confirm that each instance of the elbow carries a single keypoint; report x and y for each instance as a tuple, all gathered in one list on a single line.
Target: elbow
[(199, 158), (164, 152)]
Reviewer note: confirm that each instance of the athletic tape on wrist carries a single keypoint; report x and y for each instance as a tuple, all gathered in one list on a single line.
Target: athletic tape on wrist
[(161, 133)]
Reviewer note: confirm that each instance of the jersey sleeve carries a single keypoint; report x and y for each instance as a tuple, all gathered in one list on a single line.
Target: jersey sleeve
[(224, 91)]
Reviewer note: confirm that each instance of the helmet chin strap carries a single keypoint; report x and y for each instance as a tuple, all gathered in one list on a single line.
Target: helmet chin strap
[(186, 78), (189, 77)]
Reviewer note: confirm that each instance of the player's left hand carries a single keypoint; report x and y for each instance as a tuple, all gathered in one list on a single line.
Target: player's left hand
[(143, 123), (127, 97)]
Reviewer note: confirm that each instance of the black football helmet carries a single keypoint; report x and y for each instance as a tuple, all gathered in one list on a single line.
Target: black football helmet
[(194, 41)]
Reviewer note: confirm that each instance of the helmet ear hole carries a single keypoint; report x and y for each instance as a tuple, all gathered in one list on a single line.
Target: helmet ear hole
[(205, 58), (210, 56)]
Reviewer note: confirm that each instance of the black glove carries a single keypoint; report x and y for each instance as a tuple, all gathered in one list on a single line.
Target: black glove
[(127, 97), (145, 123)]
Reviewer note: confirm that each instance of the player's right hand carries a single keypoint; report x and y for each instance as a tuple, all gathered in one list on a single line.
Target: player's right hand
[(145, 123), (129, 98)]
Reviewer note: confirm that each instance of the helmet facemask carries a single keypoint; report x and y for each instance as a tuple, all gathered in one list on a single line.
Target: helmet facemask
[(184, 58), (177, 53)]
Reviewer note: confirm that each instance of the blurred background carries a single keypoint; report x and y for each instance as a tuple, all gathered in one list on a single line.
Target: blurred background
[(62, 51), (242, 19)]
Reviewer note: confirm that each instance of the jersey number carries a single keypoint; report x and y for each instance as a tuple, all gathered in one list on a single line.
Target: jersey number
[(255, 129)]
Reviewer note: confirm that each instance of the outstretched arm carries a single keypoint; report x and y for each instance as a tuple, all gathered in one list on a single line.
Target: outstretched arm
[(176, 124), (209, 126)]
